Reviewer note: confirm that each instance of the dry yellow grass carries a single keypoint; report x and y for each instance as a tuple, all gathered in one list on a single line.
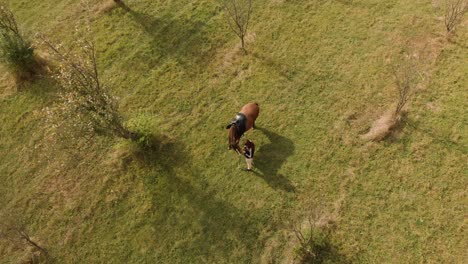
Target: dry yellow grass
[(320, 89), (104, 7), (7, 83), (382, 127)]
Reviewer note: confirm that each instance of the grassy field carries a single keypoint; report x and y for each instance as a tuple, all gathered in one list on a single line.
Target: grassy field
[(320, 73)]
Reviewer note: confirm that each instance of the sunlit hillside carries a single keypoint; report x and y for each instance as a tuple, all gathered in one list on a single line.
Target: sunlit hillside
[(322, 74)]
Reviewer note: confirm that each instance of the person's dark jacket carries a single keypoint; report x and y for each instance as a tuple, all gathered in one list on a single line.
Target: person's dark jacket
[(249, 149)]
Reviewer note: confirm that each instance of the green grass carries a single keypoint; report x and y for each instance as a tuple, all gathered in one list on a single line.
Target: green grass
[(320, 72)]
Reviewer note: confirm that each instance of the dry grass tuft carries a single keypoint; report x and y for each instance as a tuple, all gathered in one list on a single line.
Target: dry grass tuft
[(382, 127), (7, 83), (104, 7), (228, 58)]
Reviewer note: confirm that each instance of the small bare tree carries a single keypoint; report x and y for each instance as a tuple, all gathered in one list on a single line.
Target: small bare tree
[(306, 251), (454, 11), (405, 76), (238, 17), (85, 99), (313, 236)]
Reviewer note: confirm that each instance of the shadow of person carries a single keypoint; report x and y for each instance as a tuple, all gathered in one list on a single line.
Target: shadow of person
[(270, 157)]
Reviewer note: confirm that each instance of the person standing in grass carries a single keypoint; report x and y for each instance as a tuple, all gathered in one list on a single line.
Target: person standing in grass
[(249, 150)]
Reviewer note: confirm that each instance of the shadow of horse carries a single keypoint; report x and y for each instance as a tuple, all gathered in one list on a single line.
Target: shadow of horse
[(270, 158)]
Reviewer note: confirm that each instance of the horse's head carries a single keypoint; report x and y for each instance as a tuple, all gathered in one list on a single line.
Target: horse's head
[(233, 138)]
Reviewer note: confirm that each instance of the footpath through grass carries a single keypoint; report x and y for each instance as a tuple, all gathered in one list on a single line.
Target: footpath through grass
[(320, 72)]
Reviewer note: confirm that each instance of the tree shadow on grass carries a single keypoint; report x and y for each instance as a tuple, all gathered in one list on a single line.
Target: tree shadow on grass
[(286, 71), (325, 252), (161, 151), (443, 141), (194, 219), (177, 38), (122, 5), (219, 230), (406, 123), (270, 158)]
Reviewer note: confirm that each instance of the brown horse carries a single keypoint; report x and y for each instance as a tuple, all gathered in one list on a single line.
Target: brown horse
[(243, 121)]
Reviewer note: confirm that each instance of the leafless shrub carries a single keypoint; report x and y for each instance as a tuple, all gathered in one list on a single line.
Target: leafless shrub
[(308, 241), (313, 237), (85, 102), (406, 76), (454, 11), (238, 17)]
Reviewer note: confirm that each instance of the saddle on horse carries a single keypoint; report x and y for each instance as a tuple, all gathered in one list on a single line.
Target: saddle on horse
[(240, 122)]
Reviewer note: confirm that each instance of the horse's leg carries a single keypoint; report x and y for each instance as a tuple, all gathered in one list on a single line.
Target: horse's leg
[(251, 124), (239, 150)]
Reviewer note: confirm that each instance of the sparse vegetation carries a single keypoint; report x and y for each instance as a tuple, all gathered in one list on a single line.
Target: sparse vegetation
[(406, 77), (454, 11), (15, 49), (313, 242), (319, 70), (14, 232), (85, 101)]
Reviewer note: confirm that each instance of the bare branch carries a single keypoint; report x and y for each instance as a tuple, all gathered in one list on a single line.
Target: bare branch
[(454, 11), (405, 76), (8, 21)]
